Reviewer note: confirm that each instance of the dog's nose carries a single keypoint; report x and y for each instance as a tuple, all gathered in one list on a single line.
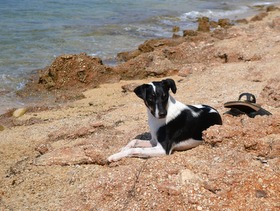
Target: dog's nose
[(162, 114)]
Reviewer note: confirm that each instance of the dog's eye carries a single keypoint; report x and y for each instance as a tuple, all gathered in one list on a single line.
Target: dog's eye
[(150, 99)]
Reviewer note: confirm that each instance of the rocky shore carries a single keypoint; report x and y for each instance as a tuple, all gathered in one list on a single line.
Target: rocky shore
[(54, 154)]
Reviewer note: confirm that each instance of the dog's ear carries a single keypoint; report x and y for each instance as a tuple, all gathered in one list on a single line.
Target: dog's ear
[(140, 91), (170, 84)]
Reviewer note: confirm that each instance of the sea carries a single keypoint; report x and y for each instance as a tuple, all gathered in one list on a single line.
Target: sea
[(33, 33)]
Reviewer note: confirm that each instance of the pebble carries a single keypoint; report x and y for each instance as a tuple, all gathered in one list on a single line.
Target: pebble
[(19, 112), (261, 194), (199, 208), (187, 176)]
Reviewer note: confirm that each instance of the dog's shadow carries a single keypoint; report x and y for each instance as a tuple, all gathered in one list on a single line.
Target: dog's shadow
[(144, 136)]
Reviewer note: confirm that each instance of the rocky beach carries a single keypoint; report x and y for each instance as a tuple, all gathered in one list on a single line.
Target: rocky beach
[(54, 154)]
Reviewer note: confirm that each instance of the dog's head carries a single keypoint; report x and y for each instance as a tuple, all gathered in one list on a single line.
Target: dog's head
[(156, 96)]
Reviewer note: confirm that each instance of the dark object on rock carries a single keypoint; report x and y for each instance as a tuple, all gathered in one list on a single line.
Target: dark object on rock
[(261, 194), (248, 107)]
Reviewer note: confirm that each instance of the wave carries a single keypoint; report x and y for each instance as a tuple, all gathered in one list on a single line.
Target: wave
[(193, 15)]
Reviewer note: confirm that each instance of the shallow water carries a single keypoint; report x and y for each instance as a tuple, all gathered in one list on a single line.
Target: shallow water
[(34, 32)]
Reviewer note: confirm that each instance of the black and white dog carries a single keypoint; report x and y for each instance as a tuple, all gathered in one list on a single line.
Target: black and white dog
[(173, 125)]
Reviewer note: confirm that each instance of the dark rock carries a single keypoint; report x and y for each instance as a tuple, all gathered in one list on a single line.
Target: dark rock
[(126, 56), (190, 33), (213, 24), (203, 24), (244, 21), (272, 8), (259, 17), (175, 29), (224, 23), (261, 194)]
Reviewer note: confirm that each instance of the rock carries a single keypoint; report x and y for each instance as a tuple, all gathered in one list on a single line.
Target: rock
[(71, 156), (276, 23), (19, 112), (189, 33), (203, 24), (76, 71), (224, 23), (243, 128), (213, 24), (44, 148), (244, 21), (2, 128), (175, 29), (259, 17), (272, 8), (129, 87), (211, 187), (271, 92), (63, 156), (187, 176), (261, 194), (126, 56)]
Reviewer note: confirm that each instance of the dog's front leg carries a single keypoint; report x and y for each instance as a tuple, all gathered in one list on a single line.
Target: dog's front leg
[(138, 152), (137, 143)]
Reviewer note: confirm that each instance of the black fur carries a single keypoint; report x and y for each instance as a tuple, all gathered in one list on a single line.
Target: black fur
[(185, 126)]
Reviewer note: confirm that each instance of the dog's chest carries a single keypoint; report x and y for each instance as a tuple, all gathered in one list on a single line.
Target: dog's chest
[(155, 124), (174, 110)]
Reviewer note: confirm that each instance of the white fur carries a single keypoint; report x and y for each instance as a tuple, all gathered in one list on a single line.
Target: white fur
[(174, 109), (201, 106), (138, 152), (185, 145), (154, 124)]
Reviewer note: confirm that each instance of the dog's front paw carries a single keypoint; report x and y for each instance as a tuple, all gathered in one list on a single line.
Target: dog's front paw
[(115, 157)]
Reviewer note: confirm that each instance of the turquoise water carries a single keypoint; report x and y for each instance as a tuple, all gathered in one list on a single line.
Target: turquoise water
[(33, 33)]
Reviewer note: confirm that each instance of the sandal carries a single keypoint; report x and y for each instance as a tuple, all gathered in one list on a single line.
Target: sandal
[(248, 106)]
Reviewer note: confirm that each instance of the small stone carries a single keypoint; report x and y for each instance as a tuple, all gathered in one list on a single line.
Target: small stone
[(261, 194), (43, 148), (129, 87), (187, 176), (199, 208), (19, 112)]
